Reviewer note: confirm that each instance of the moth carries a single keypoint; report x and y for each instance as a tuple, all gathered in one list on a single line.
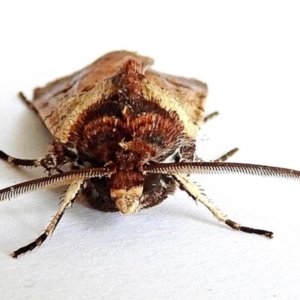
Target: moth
[(123, 140)]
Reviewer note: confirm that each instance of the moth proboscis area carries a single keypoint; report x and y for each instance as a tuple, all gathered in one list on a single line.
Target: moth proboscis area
[(123, 140)]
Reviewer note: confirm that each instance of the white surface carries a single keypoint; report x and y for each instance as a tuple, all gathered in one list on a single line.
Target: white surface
[(249, 56)]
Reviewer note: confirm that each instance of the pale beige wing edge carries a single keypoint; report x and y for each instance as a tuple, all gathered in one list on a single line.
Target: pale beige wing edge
[(189, 92)]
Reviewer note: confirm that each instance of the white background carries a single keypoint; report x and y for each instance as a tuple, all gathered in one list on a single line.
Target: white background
[(248, 53)]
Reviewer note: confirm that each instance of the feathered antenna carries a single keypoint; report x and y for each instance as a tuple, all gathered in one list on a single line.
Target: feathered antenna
[(50, 182), (213, 168)]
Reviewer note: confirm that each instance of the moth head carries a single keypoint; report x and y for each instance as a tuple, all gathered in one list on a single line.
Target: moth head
[(127, 200), (126, 189)]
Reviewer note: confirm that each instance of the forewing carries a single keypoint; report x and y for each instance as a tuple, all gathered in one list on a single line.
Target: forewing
[(59, 97)]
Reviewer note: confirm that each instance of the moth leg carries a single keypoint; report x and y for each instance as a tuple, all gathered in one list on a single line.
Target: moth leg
[(69, 198), (57, 156), (27, 102), (211, 116), (192, 189), (229, 153), (226, 155), (18, 162)]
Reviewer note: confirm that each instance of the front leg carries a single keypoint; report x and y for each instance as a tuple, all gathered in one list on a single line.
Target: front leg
[(69, 198), (193, 190), (57, 156)]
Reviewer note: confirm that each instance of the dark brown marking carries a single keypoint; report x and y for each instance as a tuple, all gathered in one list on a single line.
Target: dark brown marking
[(39, 241), (236, 226)]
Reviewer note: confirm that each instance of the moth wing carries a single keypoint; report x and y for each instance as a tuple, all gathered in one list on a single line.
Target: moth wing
[(57, 101), (190, 94), (49, 98)]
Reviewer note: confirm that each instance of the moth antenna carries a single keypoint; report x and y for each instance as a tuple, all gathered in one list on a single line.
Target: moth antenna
[(51, 182), (221, 168)]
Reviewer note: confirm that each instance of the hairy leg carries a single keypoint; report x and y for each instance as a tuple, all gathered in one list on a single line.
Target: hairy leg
[(69, 198), (193, 190), (226, 155)]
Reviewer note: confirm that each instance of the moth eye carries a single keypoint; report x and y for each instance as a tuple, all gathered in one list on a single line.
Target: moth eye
[(177, 157), (151, 182)]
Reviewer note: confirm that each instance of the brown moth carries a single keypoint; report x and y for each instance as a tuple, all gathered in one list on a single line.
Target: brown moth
[(123, 140)]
